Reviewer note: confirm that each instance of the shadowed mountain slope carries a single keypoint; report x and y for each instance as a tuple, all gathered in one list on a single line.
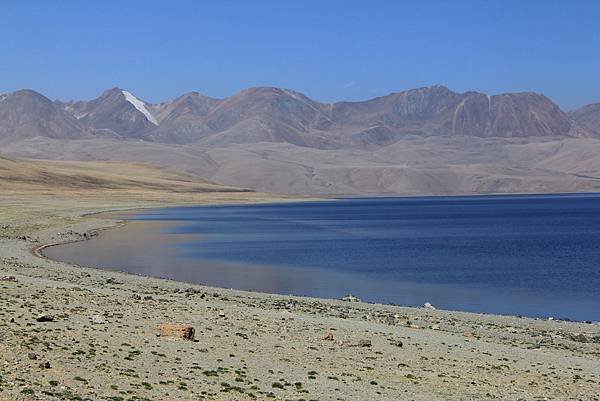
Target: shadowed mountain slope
[(27, 114), (588, 117)]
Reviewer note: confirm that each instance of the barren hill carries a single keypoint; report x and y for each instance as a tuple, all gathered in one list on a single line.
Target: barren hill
[(423, 141), (277, 115), (45, 175), (588, 117), (26, 114)]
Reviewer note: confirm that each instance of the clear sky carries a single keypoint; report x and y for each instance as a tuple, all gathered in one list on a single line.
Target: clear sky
[(329, 50)]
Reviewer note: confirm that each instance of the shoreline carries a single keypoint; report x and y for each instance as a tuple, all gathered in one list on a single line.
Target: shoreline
[(88, 235), (110, 215), (269, 338), (93, 231)]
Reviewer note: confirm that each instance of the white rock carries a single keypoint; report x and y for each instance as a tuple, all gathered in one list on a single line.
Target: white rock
[(97, 319), (350, 298)]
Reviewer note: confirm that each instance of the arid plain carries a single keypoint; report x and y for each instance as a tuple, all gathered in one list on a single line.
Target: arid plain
[(97, 334)]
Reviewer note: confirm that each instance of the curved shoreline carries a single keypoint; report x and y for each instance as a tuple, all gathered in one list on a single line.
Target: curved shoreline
[(268, 337), (110, 265), (89, 234)]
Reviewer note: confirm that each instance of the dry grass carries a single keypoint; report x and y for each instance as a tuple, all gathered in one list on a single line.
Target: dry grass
[(45, 194), (29, 175)]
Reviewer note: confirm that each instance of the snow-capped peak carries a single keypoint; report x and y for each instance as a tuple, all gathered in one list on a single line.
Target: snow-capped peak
[(141, 106)]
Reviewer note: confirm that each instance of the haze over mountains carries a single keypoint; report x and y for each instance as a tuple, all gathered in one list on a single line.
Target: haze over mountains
[(426, 140)]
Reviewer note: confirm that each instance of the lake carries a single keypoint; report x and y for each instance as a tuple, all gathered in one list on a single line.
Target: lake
[(534, 255)]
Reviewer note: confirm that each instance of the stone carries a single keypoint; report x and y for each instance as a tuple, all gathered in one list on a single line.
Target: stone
[(183, 331), (427, 305), (222, 314), (44, 365), (329, 337), (351, 298), (9, 278), (582, 338), (113, 281), (279, 304), (364, 343), (97, 319), (32, 355), (43, 317)]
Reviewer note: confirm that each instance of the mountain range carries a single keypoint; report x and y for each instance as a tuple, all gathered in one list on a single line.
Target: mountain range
[(267, 114), (280, 140)]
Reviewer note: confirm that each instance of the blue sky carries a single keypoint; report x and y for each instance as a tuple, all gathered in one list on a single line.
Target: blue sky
[(329, 50)]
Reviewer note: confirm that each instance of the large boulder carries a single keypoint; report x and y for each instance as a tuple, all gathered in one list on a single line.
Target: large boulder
[(184, 331)]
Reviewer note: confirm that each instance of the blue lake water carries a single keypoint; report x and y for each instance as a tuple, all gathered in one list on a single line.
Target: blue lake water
[(520, 255)]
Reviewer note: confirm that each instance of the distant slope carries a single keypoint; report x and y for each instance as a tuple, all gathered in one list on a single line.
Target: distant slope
[(19, 175), (115, 111), (431, 165), (26, 114), (588, 117), (182, 120), (438, 111)]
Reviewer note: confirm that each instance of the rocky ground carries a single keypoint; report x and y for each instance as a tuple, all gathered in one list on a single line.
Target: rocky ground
[(74, 333)]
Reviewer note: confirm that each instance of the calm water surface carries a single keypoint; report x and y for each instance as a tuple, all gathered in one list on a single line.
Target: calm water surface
[(522, 255)]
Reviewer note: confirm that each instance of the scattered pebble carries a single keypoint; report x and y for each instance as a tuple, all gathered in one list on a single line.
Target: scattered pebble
[(43, 317), (97, 319)]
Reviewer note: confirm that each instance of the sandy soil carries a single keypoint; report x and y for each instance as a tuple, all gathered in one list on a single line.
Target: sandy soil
[(411, 166), (102, 342)]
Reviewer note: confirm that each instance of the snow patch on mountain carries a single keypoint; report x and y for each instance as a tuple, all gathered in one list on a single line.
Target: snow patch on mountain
[(3, 96), (141, 106)]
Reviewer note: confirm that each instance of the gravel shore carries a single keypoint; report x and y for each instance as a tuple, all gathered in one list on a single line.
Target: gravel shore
[(77, 333)]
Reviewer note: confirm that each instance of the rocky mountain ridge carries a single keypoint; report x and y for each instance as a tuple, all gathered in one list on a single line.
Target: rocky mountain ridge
[(266, 114), (588, 117)]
